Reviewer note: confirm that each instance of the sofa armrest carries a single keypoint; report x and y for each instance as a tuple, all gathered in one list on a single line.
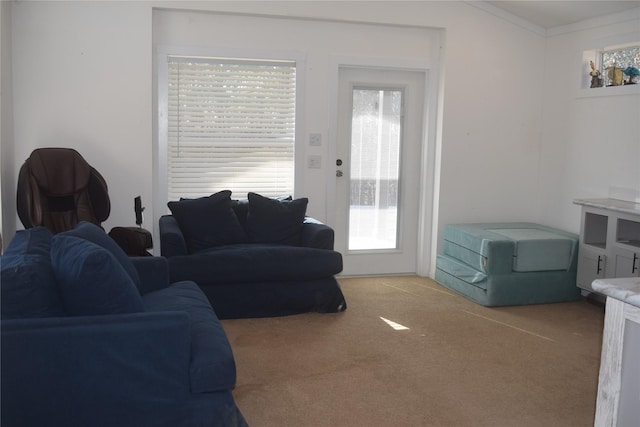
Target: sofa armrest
[(172, 242), (315, 234), (153, 272), (125, 369)]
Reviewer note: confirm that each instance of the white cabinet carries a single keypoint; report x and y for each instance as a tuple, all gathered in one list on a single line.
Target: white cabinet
[(609, 240), (626, 262), (592, 265)]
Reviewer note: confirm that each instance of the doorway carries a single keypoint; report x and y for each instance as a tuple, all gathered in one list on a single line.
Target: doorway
[(378, 146)]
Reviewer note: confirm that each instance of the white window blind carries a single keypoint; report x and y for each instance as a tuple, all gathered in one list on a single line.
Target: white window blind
[(231, 125)]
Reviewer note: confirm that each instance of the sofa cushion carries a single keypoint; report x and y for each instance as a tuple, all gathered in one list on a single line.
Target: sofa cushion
[(208, 221), (91, 280), (91, 232), (538, 249), (275, 220), (255, 262), (241, 209), (28, 285), (212, 366)]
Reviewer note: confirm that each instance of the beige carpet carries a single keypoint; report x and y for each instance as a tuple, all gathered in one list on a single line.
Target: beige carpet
[(458, 364)]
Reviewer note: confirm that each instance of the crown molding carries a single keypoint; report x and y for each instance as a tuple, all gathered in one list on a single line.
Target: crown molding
[(587, 24), (508, 16), (600, 21)]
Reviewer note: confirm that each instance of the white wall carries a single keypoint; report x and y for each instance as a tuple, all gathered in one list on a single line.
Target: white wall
[(492, 108), (591, 143), (82, 78), (316, 44), (7, 188)]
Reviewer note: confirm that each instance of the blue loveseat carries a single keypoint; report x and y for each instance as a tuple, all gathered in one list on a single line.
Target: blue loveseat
[(91, 337), (258, 257)]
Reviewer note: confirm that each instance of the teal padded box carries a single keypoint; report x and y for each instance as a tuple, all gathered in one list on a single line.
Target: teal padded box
[(539, 250), (509, 263)]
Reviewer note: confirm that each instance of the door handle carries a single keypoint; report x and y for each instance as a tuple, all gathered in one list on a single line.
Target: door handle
[(634, 266), (598, 270)]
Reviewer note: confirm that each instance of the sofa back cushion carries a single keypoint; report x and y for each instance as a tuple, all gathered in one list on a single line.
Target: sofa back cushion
[(94, 234), (208, 221), (275, 220), (241, 208), (28, 285), (91, 280)]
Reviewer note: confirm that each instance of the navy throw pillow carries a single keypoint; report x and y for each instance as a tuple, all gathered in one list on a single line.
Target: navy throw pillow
[(91, 280), (208, 221), (275, 220), (27, 283), (91, 232)]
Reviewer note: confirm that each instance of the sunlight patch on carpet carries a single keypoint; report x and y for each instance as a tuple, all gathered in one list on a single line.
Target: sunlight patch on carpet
[(394, 325)]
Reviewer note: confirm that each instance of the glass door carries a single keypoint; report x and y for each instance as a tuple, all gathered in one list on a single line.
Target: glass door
[(377, 169)]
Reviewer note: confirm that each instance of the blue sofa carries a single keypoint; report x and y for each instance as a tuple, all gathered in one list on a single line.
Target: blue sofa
[(91, 337), (259, 257)]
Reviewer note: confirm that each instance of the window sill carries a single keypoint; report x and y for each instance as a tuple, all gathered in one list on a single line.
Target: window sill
[(609, 91)]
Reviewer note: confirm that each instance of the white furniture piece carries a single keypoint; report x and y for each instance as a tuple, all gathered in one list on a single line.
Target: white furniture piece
[(609, 240), (618, 401)]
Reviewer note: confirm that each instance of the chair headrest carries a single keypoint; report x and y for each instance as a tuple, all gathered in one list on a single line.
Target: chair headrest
[(59, 171)]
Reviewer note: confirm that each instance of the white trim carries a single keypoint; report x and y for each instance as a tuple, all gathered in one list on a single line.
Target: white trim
[(590, 50), (587, 24), (601, 21), (335, 62), (431, 165), (508, 16), (431, 141)]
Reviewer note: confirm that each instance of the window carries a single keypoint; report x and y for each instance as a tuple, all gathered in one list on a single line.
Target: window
[(617, 64), (231, 125)]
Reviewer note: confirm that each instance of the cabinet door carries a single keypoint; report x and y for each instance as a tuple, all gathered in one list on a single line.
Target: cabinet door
[(626, 263), (591, 266)]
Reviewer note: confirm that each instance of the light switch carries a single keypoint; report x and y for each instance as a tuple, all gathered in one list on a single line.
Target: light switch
[(314, 162), (315, 139)]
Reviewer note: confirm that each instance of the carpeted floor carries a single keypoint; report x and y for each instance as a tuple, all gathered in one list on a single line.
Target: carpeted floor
[(457, 364)]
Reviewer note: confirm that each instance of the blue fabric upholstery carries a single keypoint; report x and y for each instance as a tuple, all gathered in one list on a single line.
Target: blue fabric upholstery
[(497, 264), (153, 273), (275, 221), (212, 367), (208, 221), (275, 298), (90, 279), (262, 279), (95, 234), (168, 364), (255, 262), (315, 234), (29, 287)]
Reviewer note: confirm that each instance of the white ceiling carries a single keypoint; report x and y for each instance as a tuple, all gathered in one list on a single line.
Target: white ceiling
[(551, 13)]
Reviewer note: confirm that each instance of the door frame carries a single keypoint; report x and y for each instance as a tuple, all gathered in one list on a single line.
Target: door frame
[(429, 173)]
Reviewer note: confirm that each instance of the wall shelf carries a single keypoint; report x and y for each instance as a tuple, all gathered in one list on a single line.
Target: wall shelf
[(609, 91)]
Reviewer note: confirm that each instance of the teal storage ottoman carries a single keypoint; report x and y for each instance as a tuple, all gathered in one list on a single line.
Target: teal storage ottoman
[(498, 264)]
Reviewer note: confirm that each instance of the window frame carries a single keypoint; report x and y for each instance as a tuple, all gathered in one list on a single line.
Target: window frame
[(603, 67), (160, 146), (593, 51)]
